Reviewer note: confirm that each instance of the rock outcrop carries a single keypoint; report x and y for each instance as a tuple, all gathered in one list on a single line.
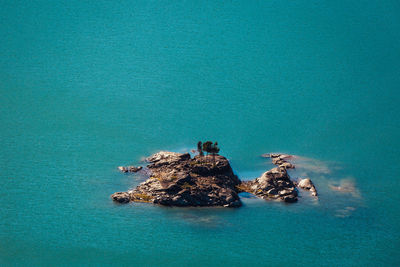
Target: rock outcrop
[(178, 180), (121, 197), (308, 185), (130, 168), (280, 160), (273, 184)]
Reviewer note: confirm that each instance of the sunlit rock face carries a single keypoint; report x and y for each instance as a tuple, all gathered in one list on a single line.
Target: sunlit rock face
[(176, 179), (307, 184), (273, 184)]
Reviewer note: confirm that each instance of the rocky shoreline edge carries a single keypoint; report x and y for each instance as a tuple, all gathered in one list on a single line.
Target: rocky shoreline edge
[(177, 179)]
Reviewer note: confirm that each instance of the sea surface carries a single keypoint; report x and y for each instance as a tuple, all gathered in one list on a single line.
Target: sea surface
[(86, 86)]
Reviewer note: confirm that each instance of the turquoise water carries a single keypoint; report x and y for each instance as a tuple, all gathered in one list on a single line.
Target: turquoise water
[(87, 86)]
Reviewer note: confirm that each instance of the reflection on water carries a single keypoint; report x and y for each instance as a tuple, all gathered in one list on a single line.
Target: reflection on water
[(208, 217), (201, 219)]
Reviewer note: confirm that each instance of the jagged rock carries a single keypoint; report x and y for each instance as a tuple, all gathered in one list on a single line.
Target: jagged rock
[(287, 165), (273, 184), (307, 184), (134, 169), (166, 158), (121, 197), (280, 160), (178, 180)]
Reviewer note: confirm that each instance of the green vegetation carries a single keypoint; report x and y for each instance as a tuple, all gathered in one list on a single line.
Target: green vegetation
[(209, 148)]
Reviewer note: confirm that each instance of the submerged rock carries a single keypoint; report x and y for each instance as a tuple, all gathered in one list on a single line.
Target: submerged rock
[(347, 186)]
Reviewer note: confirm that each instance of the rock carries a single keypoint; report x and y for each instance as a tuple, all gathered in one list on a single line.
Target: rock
[(290, 199), (123, 169), (285, 192), (280, 160), (307, 184), (121, 197), (277, 161), (273, 184), (178, 180), (134, 169), (234, 204), (285, 156), (273, 191), (287, 165), (274, 155), (166, 158), (130, 168)]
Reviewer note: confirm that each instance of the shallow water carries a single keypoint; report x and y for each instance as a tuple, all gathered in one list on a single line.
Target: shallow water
[(89, 86)]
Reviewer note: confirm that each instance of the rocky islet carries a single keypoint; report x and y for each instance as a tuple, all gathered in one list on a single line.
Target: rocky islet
[(177, 179)]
